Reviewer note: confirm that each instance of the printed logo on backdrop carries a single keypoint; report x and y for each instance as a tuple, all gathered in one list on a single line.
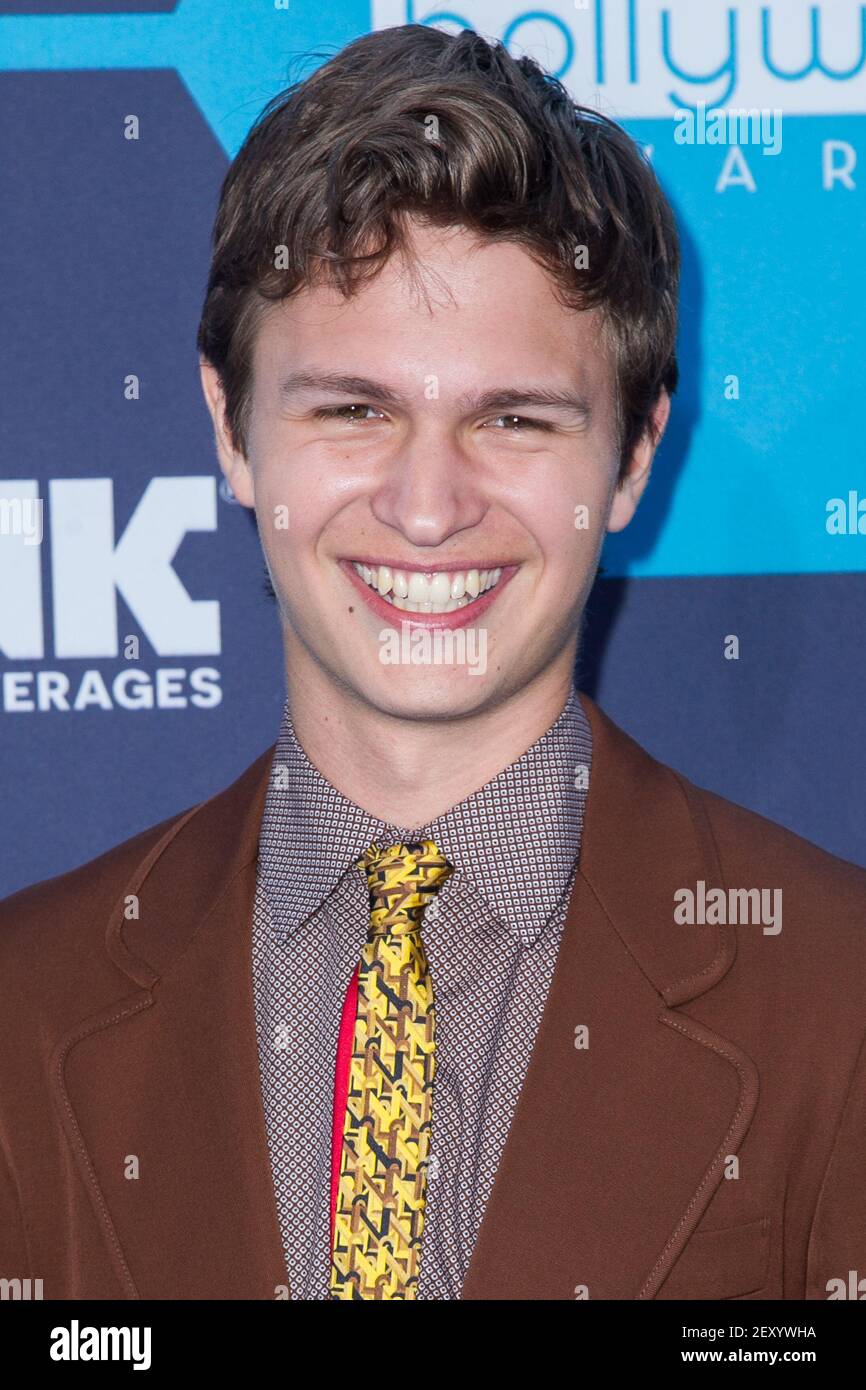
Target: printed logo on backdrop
[(646, 58), (228, 69), (62, 567), (635, 58)]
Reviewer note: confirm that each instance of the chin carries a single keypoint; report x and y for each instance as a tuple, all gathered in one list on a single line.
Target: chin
[(429, 694)]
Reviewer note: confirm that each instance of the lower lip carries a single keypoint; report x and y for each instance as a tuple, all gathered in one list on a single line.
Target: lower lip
[(459, 617)]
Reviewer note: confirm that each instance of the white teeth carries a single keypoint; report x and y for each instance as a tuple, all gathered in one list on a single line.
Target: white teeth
[(440, 587), (418, 586), (440, 591)]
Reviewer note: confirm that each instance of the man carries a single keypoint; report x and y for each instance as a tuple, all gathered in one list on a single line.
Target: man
[(456, 992)]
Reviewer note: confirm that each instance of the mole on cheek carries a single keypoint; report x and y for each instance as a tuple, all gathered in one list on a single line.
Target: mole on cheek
[(351, 609)]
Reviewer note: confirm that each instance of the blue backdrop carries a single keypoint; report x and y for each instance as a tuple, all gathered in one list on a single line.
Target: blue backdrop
[(141, 663)]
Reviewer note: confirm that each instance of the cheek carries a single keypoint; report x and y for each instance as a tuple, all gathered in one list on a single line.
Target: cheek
[(568, 524), (286, 501)]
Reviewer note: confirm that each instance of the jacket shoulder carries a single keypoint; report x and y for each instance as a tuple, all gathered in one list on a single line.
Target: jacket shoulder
[(86, 894), (815, 900), (72, 906), (652, 793), (745, 837)]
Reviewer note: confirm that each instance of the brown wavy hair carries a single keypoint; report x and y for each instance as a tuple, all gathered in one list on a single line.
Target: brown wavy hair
[(333, 167)]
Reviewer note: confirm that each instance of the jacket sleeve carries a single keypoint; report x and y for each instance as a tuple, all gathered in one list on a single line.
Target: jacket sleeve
[(837, 1241)]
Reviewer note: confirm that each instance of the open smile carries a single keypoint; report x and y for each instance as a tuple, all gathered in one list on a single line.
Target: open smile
[(439, 597)]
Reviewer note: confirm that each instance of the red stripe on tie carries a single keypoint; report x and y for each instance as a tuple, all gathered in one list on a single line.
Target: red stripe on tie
[(345, 1046)]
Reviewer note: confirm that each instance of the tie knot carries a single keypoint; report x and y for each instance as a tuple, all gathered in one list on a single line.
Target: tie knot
[(402, 881)]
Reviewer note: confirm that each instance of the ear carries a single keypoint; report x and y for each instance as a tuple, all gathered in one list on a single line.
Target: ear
[(629, 489), (236, 470)]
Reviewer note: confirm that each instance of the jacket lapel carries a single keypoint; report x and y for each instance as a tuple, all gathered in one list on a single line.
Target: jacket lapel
[(160, 1094), (617, 1144)]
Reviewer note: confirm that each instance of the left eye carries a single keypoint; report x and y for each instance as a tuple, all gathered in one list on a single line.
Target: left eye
[(521, 422), (341, 412)]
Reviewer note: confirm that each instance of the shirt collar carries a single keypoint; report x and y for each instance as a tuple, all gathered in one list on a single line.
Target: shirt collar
[(515, 841)]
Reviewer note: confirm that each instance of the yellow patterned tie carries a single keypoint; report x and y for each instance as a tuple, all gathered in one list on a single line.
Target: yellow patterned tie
[(386, 1131)]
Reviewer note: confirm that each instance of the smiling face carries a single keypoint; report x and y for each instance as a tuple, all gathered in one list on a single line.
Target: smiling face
[(425, 458)]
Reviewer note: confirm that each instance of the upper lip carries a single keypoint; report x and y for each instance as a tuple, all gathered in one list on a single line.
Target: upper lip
[(454, 566)]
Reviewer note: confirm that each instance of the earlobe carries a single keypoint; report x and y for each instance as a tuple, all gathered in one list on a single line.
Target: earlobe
[(239, 477), (623, 505), (630, 487)]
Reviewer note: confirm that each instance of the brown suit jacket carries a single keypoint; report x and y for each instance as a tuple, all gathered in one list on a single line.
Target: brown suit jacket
[(708, 1142)]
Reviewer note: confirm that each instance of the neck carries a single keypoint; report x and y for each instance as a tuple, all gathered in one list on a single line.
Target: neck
[(409, 771)]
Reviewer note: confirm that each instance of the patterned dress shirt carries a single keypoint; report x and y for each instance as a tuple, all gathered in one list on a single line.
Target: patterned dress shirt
[(491, 938)]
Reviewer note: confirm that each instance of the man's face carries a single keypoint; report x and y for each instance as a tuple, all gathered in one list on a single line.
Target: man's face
[(424, 489)]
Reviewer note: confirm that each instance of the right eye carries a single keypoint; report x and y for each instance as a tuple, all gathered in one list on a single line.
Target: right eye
[(339, 412)]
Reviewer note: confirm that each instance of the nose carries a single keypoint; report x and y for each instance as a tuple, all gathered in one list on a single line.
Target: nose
[(429, 490)]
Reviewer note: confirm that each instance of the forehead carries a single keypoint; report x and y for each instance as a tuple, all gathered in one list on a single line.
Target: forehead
[(456, 304)]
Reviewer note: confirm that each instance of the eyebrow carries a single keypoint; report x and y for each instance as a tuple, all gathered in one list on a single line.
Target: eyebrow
[(505, 398)]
